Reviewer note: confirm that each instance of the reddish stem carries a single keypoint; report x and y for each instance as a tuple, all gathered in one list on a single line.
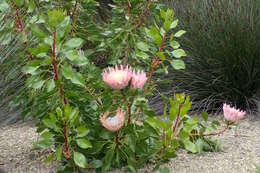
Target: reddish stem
[(163, 42), (18, 20), (20, 26), (62, 93), (174, 127), (128, 8), (117, 139), (144, 14), (129, 113), (155, 62), (214, 133), (67, 152)]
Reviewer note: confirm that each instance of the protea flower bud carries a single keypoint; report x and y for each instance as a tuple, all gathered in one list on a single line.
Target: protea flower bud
[(232, 114), (113, 123), (117, 78), (138, 79)]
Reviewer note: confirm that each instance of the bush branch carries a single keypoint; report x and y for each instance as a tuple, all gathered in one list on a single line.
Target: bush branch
[(213, 133), (155, 63), (144, 13), (55, 71), (174, 127)]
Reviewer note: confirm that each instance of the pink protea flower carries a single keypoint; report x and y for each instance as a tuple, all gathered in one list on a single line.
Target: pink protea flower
[(117, 78), (232, 114), (113, 123), (138, 79)]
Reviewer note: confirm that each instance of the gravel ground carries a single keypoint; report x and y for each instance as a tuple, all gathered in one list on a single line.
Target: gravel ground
[(240, 152)]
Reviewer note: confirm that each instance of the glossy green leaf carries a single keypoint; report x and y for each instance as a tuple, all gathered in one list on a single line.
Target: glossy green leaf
[(78, 79), (38, 84), (179, 33), (174, 24), (74, 43), (43, 144), (155, 34), (37, 31), (84, 143), (96, 164), (174, 44), (80, 159), (142, 46), (75, 77), (190, 146), (177, 64), (178, 53), (166, 25), (49, 123), (50, 85), (47, 135), (67, 71), (82, 131), (29, 69), (142, 55), (161, 56), (55, 17)]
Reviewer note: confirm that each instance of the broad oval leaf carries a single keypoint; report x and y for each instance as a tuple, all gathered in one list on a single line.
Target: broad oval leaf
[(50, 85), (82, 131), (142, 46), (178, 53), (96, 164), (177, 64), (74, 43), (190, 146), (179, 33), (174, 24), (84, 143), (80, 159)]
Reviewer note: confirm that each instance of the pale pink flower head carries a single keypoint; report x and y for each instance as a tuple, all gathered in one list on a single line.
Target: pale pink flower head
[(117, 78), (232, 114), (138, 79), (113, 123)]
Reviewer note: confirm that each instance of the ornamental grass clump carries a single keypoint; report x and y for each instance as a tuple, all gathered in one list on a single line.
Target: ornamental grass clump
[(98, 118), (223, 60)]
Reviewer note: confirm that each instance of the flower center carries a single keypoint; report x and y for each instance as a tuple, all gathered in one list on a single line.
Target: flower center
[(113, 120), (118, 76)]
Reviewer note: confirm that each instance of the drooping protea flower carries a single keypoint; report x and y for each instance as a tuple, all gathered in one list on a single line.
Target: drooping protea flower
[(138, 79), (117, 78), (232, 114), (113, 123)]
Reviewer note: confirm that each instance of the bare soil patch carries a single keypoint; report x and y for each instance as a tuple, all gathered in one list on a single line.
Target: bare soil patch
[(240, 152)]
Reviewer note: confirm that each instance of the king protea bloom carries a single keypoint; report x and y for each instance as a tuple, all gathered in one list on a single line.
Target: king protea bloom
[(117, 78), (232, 114), (113, 123), (138, 79)]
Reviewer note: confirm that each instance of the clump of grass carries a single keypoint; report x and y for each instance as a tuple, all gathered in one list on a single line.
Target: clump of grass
[(223, 45)]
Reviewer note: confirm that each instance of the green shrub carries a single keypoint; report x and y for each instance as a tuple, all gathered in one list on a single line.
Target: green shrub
[(71, 92), (223, 47)]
